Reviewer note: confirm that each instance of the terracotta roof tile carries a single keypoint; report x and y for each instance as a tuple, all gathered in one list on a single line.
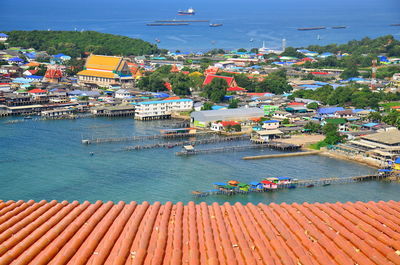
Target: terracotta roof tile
[(107, 233)]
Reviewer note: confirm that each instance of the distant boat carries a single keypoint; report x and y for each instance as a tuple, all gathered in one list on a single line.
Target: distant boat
[(251, 40), (167, 24), (312, 28), (215, 25), (158, 41), (318, 37), (190, 11), (339, 27), (395, 25)]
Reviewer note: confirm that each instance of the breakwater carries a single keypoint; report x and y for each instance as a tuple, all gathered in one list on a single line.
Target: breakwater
[(281, 155)]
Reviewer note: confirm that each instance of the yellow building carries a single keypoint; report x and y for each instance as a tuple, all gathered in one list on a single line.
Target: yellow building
[(104, 71), (396, 164)]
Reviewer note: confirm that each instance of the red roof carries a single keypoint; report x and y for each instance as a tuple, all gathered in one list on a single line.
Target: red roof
[(53, 73), (168, 86), (210, 78), (107, 233), (33, 71), (319, 73), (227, 123), (37, 90), (172, 98), (395, 107), (296, 104), (258, 94), (307, 59), (267, 182), (236, 88)]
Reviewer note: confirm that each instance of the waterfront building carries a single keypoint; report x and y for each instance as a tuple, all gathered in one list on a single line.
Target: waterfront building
[(271, 124), (204, 118), (161, 109), (103, 71)]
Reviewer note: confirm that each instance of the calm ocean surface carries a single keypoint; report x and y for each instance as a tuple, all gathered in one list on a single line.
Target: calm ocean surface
[(260, 20), (46, 160)]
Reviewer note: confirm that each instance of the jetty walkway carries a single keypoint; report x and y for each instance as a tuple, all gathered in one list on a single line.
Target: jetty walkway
[(282, 155), (183, 143), (272, 145), (305, 183), (138, 138)]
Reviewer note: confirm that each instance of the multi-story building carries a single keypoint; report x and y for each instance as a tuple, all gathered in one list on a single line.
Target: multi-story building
[(150, 110), (105, 70)]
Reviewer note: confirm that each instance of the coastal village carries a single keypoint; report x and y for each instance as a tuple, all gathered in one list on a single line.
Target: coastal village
[(35, 84)]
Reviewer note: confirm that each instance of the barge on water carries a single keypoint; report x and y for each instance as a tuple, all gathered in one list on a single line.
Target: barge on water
[(181, 21), (215, 25), (312, 28), (339, 27), (167, 24)]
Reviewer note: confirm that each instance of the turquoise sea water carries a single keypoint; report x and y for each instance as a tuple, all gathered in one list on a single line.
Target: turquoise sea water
[(46, 160), (260, 20)]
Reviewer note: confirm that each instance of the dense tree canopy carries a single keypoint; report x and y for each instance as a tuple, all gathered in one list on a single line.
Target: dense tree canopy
[(74, 43), (354, 95), (275, 82), (216, 90)]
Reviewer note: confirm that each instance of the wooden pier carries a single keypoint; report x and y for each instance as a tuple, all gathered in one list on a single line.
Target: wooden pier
[(137, 138), (281, 155), (272, 145), (183, 143), (305, 183)]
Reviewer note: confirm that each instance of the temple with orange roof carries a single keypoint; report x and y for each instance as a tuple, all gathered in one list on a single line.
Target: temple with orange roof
[(103, 71), (229, 80), (53, 74)]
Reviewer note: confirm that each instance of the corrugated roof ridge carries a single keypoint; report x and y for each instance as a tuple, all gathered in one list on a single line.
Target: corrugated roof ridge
[(16, 227), (70, 249), (5, 204), (277, 242), (90, 244), (10, 207), (301, 250), (226, 245), (16, 245), (248, 222), (15, 219), (65, 236), (128, 235), (326, 239), (211, 254), (43, 240), (216, 235), (358, 249), (176, 246), (355, 232), (243, 244), (15, 211), (318, 251), (107, 243)]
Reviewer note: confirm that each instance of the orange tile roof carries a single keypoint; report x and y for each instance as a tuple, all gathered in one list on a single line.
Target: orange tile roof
[(97, 73), (101, 62), (106, 233)]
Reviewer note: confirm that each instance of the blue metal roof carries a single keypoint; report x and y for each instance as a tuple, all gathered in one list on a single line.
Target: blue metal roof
[(397, 161), (3, 35), (219, 183), (371, 124), (329, 110), (270, 121), (34, 76), (254, 183)]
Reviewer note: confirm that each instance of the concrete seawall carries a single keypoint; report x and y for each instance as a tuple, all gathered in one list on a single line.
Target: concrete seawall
[(281, 155)]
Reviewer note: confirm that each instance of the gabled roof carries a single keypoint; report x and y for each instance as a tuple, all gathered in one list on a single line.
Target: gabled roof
[(37, 90), (101, 62), (97, 73), (107, 233), (210, 78), (236, 88)]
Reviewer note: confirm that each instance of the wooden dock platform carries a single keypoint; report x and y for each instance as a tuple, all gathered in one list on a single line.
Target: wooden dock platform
[(183, 143), (138, 138), (281, 155), (272, 145)]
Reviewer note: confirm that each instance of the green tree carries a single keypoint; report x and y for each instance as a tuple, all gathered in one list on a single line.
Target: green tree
[(312, 127), (242, 50), (375, 116), (292, 52), (350, 72), (216, 90), (393, 118), (233, 104), (207, 106), (275, 82), (312, 105), (332, 136)]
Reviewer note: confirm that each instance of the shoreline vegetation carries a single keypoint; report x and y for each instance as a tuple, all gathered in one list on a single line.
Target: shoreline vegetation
[(76, 43)]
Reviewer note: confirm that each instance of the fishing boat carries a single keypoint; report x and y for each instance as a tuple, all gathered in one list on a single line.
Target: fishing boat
[(28, 118), (215, 25), (189, 12), (310, 186), (158, 40)]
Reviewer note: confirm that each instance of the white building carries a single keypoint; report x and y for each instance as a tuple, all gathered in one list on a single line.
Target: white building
[(271, 124), (149, 110), (3, 37), (122, 93)]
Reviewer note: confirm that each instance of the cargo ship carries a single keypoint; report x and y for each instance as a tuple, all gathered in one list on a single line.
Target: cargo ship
[(181, 20), (394, 25), (167, 24), (339, 27), (313, 28), (215, 25), (190, 11)]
